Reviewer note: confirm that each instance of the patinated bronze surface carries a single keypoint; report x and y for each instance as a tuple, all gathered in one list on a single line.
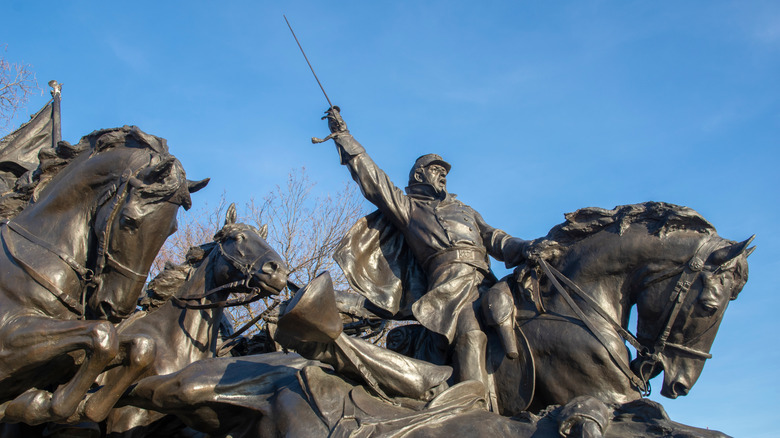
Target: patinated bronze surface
[(72, 264), (539, 353), (184, 304), (448, 240), (581, 316), (277, 394)]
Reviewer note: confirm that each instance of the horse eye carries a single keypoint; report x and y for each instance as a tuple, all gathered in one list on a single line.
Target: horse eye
[(128, 222), (709, 308)]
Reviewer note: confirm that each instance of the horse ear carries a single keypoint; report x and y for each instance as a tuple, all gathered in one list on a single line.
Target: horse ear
[(194, 186), (749, 251), (159, 171), (264, 231), (730, 252), (230, 216)]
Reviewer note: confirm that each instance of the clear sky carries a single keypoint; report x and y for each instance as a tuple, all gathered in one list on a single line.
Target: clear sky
[(541, 108)]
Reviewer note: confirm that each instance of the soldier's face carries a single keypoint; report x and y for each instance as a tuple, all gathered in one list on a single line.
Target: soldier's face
[(436, 176)]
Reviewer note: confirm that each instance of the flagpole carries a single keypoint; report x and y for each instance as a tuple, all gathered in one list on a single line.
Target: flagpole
[(56, 129)]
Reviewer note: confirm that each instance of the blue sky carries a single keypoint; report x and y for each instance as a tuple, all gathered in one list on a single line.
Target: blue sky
[(541, 108)]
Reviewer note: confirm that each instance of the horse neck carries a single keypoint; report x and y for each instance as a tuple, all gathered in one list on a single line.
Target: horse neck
[(202, 325), (605, 265), (617, 264)]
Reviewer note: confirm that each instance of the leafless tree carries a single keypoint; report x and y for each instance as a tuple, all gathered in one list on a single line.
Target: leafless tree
[(303, 227), (17, 84)]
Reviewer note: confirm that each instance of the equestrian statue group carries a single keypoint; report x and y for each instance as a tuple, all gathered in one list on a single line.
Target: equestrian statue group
[(89, 348)]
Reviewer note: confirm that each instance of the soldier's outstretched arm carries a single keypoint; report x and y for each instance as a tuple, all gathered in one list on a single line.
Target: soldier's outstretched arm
[(374, 183), (503, 247)]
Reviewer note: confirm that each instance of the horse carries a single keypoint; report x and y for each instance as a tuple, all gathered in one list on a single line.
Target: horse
[(184, 306), (319, 393), (574, 295), (74, 261)]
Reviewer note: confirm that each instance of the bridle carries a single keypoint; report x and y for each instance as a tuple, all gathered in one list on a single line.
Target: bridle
[(646, 356), (238, 286), (88, 277)]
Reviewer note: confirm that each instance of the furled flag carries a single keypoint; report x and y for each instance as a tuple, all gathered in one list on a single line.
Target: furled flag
[(19, 149)]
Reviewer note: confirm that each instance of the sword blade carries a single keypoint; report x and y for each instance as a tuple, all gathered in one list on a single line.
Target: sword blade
[(307, 61)]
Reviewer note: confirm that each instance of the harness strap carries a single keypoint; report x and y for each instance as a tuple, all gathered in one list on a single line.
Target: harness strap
[(245, 327), (124, 270), (625, 334), (73, 305), (689, 350), (622, 365), (84, 273), (680, 293), (120, 193), (215, 304)]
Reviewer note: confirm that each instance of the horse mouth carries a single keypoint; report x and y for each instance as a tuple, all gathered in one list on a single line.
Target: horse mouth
[(674, 390), (269, 284)]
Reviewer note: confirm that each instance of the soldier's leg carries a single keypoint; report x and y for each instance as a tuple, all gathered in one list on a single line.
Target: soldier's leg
[(470, 347)]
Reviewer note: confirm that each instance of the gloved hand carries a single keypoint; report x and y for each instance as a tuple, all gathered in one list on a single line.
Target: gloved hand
[(335, 123), (517, 251)]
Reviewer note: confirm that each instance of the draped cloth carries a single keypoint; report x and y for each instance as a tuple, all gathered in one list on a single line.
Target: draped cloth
[(379, 264)]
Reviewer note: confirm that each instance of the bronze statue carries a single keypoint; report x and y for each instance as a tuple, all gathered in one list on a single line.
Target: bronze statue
[(573, 298), (73, 256), (544, 348), (278, 394), (185, 302), (449, 242)]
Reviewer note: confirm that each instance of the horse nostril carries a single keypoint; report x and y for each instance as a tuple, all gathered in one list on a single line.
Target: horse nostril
[(680, 389), (270, 267)]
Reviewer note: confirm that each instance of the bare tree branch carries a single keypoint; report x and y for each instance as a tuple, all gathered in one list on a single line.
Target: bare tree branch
[(17, 84), (302, 227)]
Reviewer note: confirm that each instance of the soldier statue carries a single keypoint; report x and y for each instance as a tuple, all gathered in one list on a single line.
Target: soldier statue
[(448, 241)]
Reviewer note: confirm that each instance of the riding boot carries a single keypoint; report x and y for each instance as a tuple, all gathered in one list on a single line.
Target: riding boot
[(470, 352)]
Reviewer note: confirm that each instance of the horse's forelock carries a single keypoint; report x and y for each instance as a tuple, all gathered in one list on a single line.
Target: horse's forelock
[(170, 184), (230, 229)]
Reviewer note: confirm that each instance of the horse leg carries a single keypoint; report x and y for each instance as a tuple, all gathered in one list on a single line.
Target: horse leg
[(30, 341), (138, 352)]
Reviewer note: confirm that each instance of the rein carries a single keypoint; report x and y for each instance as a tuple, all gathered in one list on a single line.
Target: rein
[(676, 299), (88, 277), (235, 286), (553, 274)]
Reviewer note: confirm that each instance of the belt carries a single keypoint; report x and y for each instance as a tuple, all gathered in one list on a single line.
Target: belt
[(472, 256)]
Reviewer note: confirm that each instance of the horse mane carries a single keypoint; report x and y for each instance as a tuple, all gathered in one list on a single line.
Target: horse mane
[(661, 219), (170, 280), (54, 160)]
